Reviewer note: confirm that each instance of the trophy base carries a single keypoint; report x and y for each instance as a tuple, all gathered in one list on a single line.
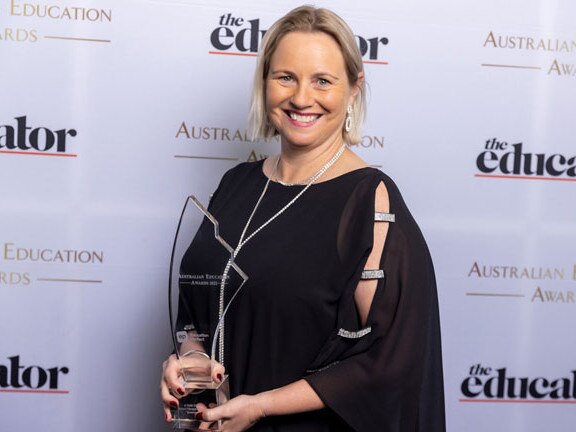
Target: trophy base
[(200, 395), (195, 425)]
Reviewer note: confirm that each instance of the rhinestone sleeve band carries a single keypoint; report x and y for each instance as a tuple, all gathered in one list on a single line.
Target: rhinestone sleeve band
[(354, 334), (372, 274), (384, 217)]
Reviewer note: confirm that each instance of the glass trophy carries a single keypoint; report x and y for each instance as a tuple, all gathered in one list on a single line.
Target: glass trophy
[(208, 280)]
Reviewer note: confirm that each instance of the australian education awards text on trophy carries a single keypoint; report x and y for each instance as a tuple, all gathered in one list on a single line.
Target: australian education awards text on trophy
[(208, 280)]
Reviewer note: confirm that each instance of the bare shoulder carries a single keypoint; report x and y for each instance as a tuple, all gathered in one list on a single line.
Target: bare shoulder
[(382, 200), (355, 162)]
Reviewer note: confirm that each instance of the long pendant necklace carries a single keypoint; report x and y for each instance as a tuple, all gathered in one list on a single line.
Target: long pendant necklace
[(242, 241)]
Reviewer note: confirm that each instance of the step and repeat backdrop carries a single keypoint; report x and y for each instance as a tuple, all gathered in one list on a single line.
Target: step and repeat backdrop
[(112, 112)]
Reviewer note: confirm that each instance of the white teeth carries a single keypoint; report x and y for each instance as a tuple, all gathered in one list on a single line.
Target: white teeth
[(303, 118)]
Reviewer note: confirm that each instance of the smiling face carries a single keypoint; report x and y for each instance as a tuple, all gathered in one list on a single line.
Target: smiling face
[(307, 89)]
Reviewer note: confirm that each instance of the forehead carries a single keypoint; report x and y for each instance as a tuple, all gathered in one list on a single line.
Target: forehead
[(308, 50)]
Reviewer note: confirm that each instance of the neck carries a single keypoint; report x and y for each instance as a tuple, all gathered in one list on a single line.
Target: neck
[(299, 163)]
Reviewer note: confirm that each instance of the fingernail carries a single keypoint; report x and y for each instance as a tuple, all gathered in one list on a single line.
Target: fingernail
[(199, 416), (181, 391), (167, 417), (173, 404), (219, 376)]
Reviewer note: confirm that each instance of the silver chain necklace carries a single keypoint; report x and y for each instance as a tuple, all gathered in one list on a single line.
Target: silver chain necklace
[(302, 183), (242, 241), (311, 178)]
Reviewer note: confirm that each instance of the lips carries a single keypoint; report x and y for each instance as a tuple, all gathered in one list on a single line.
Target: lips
[(305, 118)]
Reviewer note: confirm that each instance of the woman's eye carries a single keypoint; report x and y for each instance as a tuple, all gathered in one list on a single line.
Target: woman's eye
[(323, 82), (286, 78)]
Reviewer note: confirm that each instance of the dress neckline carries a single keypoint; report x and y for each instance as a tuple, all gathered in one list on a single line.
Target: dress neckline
[(333, 179)]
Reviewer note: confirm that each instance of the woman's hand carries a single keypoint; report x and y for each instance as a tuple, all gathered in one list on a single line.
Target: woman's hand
[(172, 382), (237, 414)]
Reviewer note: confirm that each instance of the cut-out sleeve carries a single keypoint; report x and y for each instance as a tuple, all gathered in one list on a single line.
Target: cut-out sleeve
[(385, 375)]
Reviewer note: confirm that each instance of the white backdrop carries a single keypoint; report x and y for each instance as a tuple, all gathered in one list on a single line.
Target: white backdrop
[(151, 107)]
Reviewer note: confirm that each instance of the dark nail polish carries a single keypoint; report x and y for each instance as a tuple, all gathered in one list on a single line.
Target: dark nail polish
[(173, 404), (219, 376), (199, 416), (181, 391)]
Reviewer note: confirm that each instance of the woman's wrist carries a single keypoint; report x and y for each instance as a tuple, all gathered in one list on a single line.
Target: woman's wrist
[(293, 398), (262, 404)]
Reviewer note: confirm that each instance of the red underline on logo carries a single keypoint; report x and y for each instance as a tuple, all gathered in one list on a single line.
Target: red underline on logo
[(375, 62), (233, 53), (531, 401), (37, 153), (523, 177), (36, 391)]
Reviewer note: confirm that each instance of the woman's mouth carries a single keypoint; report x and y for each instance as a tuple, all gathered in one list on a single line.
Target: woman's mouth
[(303, 118)]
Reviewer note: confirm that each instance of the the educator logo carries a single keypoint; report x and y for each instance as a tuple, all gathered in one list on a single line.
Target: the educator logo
[(502, 159), (17, 377), (489, 384), (21, 136), (237, 35)]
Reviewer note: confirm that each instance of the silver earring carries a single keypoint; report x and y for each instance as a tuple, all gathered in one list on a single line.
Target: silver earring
[(348, 122)]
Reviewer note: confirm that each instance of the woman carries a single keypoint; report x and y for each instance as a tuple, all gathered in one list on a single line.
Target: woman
[(337, 327)]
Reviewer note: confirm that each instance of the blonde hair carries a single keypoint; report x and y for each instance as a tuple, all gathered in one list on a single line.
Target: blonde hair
[(307, 19)]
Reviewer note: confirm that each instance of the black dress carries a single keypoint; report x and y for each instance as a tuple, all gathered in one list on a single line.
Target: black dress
[(296, 317)]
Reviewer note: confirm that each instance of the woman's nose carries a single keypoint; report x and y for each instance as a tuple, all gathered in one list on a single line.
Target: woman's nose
[(302, 96)]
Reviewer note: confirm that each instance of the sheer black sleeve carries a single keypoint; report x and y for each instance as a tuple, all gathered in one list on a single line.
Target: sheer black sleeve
[(387, 375)]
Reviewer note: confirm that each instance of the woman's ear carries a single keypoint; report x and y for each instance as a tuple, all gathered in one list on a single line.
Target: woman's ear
[(356, 87)]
